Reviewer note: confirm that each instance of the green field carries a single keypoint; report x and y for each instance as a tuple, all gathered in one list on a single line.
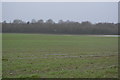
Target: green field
[(59, 56)]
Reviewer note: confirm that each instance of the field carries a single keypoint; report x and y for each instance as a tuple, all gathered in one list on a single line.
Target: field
[(59, 56)]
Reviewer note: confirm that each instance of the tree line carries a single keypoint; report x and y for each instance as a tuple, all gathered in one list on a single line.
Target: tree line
[(62, 27)]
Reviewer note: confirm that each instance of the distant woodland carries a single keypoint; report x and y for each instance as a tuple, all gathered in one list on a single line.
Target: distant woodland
[(62, 27)]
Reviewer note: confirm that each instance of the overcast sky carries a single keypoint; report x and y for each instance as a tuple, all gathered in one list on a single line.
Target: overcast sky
[(75, 11)]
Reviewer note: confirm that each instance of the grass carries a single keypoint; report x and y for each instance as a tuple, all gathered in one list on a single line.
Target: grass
[(59, 56), (0, 55)]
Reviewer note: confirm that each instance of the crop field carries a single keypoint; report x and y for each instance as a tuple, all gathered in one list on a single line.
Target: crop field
[(59, 56)]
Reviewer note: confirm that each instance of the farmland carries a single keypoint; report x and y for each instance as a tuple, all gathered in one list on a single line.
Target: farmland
[(59, 56)]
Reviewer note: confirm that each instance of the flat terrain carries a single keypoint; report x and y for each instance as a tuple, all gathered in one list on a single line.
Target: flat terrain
[(59, 56)]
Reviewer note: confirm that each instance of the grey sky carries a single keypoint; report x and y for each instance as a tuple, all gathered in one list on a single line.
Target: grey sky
[(75, 11)]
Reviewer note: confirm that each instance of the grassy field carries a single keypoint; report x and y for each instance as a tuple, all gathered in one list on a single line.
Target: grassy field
[(59, 56), (0, 55)]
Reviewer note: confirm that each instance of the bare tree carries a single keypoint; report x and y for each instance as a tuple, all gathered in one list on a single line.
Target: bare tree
[(40, 21), (17, 21), (33, 21), (60, 22), (50, 21)]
